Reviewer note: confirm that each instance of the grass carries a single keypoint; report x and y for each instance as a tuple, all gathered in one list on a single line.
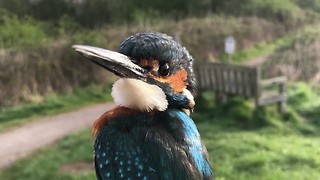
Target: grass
[(260, 50), (45, 164), (266, 153), (54, 104), (261, 154), (238, 147), (263, 49)]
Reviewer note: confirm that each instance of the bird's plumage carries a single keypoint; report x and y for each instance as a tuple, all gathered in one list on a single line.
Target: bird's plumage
[(161, 145), (139, 95), (160, 47), (150, 135)]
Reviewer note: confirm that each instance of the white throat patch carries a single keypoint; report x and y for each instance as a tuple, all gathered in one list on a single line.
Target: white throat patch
[(139, 95)]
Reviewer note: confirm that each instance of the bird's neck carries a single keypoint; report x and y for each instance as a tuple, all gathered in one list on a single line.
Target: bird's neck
[(138, 95), (107, 116)]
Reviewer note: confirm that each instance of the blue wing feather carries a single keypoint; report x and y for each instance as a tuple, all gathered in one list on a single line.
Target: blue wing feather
[(192, 137)]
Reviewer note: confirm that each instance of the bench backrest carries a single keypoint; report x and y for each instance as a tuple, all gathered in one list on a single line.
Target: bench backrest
[(228, 79)]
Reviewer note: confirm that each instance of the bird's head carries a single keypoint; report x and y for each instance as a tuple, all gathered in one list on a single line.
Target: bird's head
[(156, 72)]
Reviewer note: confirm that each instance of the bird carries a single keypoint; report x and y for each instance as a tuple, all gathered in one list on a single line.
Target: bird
[(149, 134)]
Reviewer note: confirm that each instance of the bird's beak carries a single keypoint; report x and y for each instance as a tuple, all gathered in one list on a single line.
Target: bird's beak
[(119, 64)]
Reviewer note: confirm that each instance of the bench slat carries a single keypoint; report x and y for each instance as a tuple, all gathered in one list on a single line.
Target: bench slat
[(245, 81), (272, 99), (272, 81)]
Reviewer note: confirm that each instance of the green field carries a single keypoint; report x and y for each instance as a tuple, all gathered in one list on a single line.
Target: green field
[(266, 153), (243, 143)]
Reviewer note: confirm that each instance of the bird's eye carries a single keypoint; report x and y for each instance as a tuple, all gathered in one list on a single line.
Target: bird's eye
[(164, 69)]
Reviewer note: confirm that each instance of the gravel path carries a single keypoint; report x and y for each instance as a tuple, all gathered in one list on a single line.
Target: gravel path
[(23, 141)]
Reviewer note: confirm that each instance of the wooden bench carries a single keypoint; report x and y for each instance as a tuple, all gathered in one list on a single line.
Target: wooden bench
[(228, 80)]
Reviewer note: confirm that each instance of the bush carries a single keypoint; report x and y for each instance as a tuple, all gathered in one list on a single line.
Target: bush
[(237, 110), (266, 116), (93, 13), (240, 110), (313, 5), (283, 11), (292, 116), (296, 57), (302, 96), (21, 33), (205, 102), (305, 99)]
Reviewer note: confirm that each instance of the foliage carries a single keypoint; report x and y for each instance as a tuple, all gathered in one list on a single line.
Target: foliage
[(313, 5), (305, 100), (237, 109), (297, 58), (303, 96), (20, 32), (90, 13), (204, 37), (235, 112), (261, 49), (304, 37), (266, 116), (55, 67), (27, 72), (34, 48)]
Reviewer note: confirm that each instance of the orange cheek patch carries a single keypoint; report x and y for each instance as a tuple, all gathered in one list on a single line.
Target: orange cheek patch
[(105, 117), (177, 81)]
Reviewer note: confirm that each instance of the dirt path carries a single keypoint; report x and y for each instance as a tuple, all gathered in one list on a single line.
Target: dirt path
[(23, 141), (255, 62)]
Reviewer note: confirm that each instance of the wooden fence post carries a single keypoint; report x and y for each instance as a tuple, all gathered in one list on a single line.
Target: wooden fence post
[(282, 104), (256, 85)]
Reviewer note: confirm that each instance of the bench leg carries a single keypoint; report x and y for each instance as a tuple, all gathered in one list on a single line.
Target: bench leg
[(282, 104), (281, 107), (221, 98), (256, 102)]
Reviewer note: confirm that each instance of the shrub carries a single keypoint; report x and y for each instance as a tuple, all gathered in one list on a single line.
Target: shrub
[(240, 110), (284, 11), (205, 102), (292, 116), (25, 32), (302, 96), (266, 116)]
